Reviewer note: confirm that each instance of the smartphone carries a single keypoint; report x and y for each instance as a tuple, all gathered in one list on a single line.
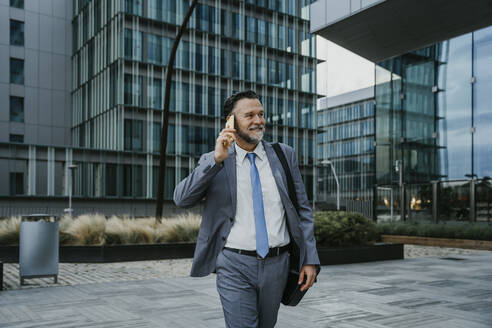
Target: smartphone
[(230, 122), (229, 125)]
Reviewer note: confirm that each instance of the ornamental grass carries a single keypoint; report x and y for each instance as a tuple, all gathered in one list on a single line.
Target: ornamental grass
[(97, 229)]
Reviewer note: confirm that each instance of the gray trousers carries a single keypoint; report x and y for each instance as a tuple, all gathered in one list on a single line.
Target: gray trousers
[(251, 289)]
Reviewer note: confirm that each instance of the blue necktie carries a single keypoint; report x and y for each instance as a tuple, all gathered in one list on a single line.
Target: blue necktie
[(260, 223)]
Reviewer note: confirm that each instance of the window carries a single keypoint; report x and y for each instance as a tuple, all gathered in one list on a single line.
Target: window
[(223, 62), (212, 69), (260, 70), (235, 65), (272, 39), (290, 40), (128, 43), (262, 32), (111, 174), (183, 58), (17, 4), (281, 37), (133, 44), (16, 33), (16, 183), (199, 57), (154, 91), (236, 25), (290, 76), (272, 70), (154, 49), (202, 17), (134, 7), (133, 134), (281, 74), (250, 29), (155, 9), (198, 99), (170, 12), (211, 101), (167, 45), (16, 109), (156, 137), (16, 138), (249, 68), (133, 90), (16, 71)]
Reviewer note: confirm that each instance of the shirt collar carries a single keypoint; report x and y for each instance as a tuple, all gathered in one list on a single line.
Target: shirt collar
[(241, 153)]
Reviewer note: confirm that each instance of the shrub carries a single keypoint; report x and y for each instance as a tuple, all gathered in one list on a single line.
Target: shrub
[(129, 231), (342, 229), (183, 228), (474, 231), (86, 230), (95, 229), (9, 231)]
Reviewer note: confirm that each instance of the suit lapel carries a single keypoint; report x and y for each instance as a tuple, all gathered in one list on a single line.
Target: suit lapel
[(230, 167)]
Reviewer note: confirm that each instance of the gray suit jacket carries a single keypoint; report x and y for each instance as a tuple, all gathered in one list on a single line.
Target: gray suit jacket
[(217, 184)]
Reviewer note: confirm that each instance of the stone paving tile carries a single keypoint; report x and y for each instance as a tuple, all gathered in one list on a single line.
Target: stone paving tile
[(414, 293)]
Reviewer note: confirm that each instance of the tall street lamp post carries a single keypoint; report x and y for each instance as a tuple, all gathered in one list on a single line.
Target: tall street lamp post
[(71, 167), (327, 161)]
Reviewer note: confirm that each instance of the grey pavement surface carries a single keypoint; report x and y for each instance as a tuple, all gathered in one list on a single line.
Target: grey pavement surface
[(436, 289)]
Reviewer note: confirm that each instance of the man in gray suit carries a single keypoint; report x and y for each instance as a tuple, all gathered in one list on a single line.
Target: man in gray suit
[(249, 224)]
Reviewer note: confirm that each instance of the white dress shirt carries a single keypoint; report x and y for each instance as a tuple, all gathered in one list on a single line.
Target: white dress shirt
[(243, 232)]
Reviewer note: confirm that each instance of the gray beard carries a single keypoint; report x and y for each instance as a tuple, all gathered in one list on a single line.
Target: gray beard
[(251, 140)]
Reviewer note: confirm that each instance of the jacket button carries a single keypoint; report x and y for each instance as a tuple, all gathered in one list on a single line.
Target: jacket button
[(231, 219), (223, 238)]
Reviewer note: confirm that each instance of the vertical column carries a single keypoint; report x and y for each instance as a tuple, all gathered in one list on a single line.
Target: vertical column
[(98, 179), (150, 178), (150, 132), (68, 162), (51, 171), (472, 200), (435, 201), (31, 173)]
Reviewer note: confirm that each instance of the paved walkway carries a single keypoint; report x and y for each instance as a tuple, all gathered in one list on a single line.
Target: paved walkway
[(450, 291)]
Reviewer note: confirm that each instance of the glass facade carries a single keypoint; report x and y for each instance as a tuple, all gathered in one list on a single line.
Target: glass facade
[(118, 95), (433, 116), (346, 139)]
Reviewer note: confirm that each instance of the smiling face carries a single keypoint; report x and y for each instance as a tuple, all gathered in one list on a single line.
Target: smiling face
[(249, 121)]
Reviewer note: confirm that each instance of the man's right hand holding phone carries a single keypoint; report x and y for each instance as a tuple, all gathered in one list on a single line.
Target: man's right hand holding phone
[(222, 144)]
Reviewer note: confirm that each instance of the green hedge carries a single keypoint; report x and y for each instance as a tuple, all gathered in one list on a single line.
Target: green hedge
[(474, 231), (344, 229)]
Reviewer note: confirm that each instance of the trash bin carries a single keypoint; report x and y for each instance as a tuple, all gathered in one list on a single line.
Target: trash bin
[(38, 247)]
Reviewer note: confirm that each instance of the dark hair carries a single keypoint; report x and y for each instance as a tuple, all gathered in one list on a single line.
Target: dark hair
[(232, 100)]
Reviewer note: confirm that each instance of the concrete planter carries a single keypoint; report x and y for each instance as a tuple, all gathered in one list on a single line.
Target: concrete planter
[(111, 253), (440, 242), (375, 252), (145, 252)]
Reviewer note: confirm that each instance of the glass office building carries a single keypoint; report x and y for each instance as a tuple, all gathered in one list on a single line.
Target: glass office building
[(433, 117), (346, 139), (120, 50)]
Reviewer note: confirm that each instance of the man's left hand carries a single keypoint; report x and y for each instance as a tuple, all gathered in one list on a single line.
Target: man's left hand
[(308, 271)]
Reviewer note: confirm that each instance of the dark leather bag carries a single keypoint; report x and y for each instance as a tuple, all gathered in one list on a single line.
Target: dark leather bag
[(292, 292)]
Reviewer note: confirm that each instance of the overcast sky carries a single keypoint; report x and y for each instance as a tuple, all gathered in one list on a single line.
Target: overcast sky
[(342, 71)]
